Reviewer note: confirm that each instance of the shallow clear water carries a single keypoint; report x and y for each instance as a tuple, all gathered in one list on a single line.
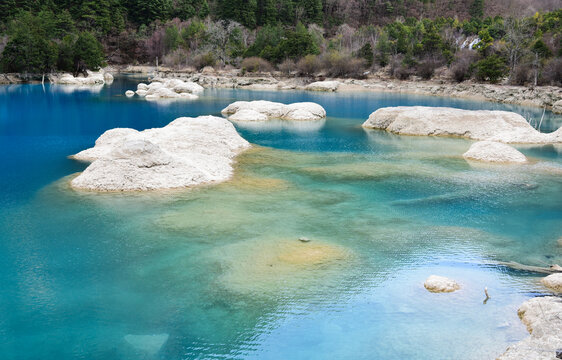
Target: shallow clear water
[(218, 269)]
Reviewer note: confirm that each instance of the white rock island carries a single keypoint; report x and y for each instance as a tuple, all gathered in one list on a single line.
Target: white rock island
[(262, 110), (184, 153), (500, 126)]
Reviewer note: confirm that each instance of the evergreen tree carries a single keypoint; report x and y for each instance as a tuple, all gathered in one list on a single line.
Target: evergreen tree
[(476, 9), (366, 52), (87, 53)]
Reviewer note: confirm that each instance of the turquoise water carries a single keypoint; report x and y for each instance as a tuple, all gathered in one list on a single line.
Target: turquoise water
[(217, 269)]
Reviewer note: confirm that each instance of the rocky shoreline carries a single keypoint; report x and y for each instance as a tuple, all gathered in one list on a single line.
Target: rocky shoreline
[(547, 97)]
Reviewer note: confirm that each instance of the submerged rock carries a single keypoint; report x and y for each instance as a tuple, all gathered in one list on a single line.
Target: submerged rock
[(542, 317), (491, 151), (323, 86), (553, 282), (186, 152), (502, 126), (262, 110), (150, 344), (266, 265), (440, 284)]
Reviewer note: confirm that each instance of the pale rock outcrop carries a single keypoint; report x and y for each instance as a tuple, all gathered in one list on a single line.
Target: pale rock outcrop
[(249, 110), (440, 284), (542, 317), (492, 151), (150, 344), (129, 93), (553, 282), (169, 89), (248, 115), (186, 152), (323, 86), (501, 126), (94, 78), (108, 77), (557, 107)]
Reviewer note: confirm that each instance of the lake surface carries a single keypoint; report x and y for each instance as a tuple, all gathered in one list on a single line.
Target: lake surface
[(215, 272)]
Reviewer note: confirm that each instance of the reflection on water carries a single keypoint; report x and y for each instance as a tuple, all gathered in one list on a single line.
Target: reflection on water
[(219, 272)]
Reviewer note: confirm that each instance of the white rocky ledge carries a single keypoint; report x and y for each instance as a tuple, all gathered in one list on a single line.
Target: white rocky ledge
[(262, 110), (542, 316), (494, 152), (323, 86), (169, 89), (184, 153), (500, 126), (94, 78)]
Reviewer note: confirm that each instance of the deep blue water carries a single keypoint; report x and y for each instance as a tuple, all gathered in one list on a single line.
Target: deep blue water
[(81, 271)]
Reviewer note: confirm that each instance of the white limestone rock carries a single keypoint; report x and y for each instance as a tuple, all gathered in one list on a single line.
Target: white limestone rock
[(169, 89), (495, 152), (108, 78), (323, 86), (248, 115), (553, 282), (542, 317), (440, 284), (129, 93), (249, 110), (187, 152), (501, 126), (150, 344), (94, 78)]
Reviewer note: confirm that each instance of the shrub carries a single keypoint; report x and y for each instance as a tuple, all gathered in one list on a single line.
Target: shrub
[(202, 60), (426, 68), (287, 66), (256, 64), (309, 65), (336, 64), (461, 68), (491, 68), (521, 74), (552, 73), (397, 68)]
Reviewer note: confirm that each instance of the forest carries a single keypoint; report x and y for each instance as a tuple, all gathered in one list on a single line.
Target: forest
[(406, 38)]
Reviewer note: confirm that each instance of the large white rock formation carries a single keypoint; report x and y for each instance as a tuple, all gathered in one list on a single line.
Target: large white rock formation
[(262, 110), (169, 89), (502, 126), (323, 86), (186, 152), (94, 78), (553, 282), (542, 317), (440, 284), (492, 151)]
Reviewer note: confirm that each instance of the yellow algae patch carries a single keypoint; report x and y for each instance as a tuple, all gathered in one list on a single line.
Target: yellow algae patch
[(297, 253), (255, 183), (277, 265), (364, 170)]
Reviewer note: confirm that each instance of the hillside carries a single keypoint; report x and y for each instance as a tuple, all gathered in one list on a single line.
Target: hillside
[(517, 40)]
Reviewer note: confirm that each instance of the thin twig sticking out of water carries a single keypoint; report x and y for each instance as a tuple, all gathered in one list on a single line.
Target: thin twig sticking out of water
[(542, 117), (487, 296)]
